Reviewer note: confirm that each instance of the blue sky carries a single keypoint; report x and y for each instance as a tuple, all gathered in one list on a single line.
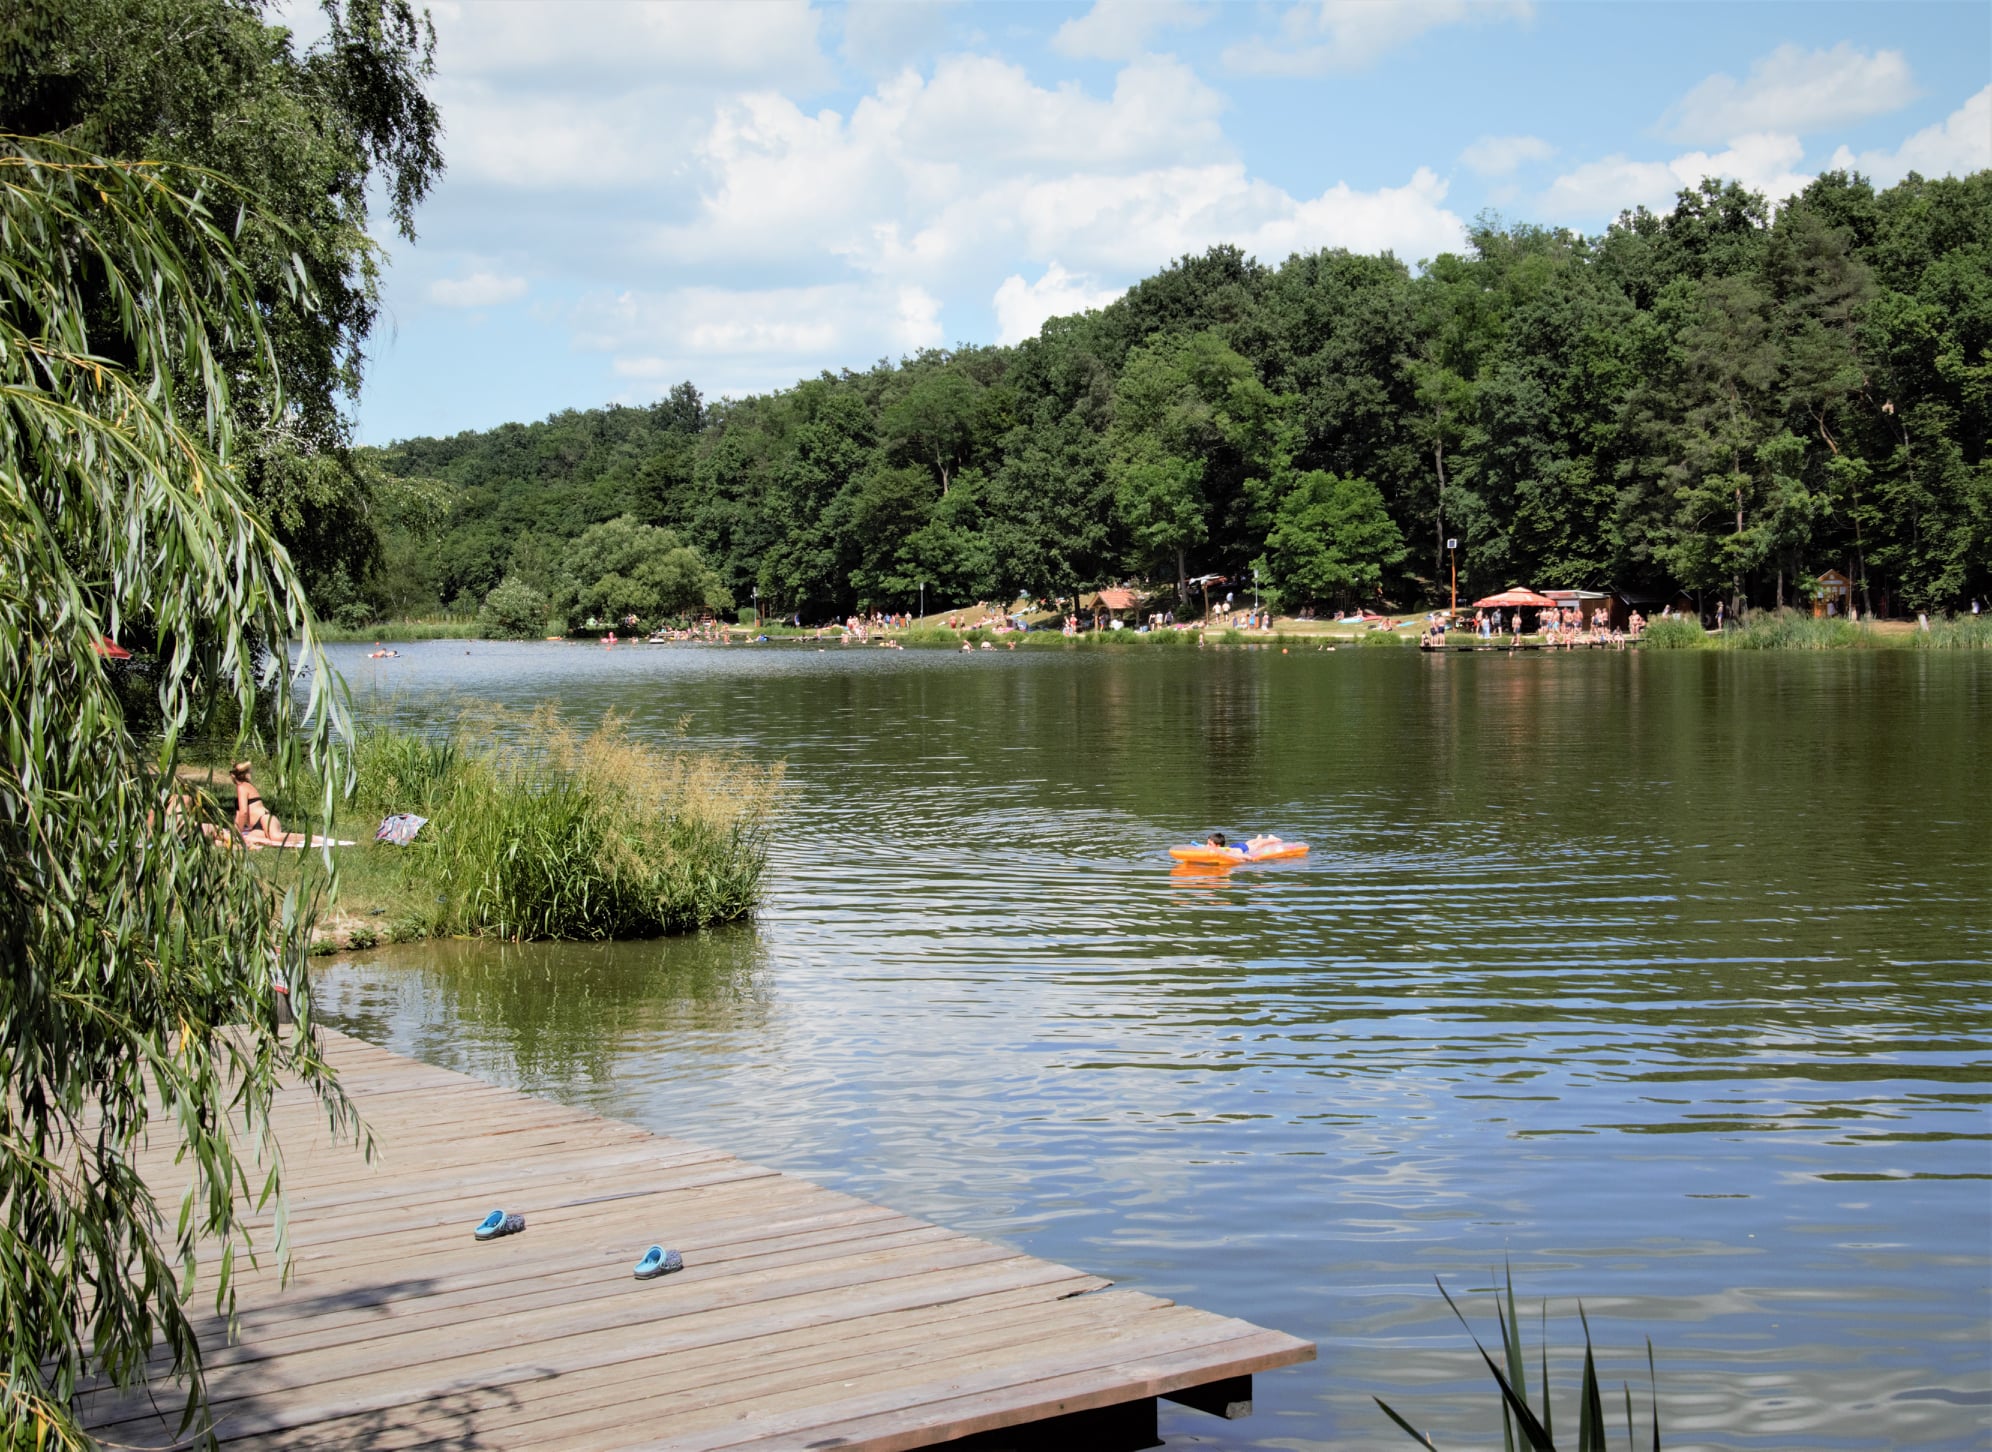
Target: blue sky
[(744, 194)]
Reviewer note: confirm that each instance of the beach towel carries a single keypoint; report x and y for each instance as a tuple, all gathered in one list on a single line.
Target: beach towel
[(400, 829)]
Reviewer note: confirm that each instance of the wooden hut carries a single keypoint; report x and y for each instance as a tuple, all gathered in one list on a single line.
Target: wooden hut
[(1108, 604), (1651, 604), (1590, 605), (1832, 593)]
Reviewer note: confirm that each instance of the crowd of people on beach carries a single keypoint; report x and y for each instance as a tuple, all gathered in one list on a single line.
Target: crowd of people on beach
[(1558, 626)]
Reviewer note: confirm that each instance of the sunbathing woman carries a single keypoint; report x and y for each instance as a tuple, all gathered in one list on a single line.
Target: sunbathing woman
[(255, 822)]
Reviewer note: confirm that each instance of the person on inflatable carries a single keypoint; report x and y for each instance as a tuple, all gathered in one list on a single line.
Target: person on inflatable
[(1252, 848)]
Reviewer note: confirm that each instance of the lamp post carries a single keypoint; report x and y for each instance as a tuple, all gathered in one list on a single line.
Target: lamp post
[(1255, 592), (757, 606), (1452, 557), (923, 599)]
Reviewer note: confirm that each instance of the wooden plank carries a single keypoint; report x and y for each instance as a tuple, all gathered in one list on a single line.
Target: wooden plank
[(898, 1422), (584, 1407), (803, 1314), (623, 1317), (273, 1399)]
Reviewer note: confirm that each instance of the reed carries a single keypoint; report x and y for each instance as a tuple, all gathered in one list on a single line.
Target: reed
[(537, 830), (446, 628), (1527, 1423), (1790, 630), (1955, 632), (1674, 632)]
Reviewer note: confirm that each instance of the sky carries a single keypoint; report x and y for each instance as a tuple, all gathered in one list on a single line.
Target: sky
[(746, 194)]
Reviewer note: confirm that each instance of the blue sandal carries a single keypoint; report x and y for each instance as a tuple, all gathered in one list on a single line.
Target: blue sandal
[(657, 1261), (498, 1223)]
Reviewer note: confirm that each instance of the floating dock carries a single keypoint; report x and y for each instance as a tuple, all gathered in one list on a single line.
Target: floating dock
[(803, 1319)]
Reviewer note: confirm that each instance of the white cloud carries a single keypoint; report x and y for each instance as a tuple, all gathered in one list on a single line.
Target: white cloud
[(1022, 307), (1956, 146), (1602, 189), (882, 36), (1794, 91), (589, 47), (588, 96), (738, 340), (1122, 29), (1347, 35), (878, 189), (479, 290), (1503, 155)]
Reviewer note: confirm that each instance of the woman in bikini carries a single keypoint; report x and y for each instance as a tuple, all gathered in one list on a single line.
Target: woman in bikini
[(255, 822)]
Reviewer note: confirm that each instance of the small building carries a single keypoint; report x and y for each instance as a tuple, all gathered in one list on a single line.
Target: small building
[(1587, 603), (1108, 604), (1651, 604), (1832, 593)]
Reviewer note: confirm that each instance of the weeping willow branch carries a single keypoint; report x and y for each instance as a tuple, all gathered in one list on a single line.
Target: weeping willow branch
[(141, 954)]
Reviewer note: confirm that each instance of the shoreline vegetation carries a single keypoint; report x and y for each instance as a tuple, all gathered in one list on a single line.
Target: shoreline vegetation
[(535, 830), (1759, 630)]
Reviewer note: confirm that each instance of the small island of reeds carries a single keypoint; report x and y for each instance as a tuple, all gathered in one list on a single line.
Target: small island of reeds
[(535, 830)]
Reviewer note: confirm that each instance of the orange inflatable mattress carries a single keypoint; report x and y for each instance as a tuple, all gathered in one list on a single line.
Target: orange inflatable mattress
[(1232, 856)]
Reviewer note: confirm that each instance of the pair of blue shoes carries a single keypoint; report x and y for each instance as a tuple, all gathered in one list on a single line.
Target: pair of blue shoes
[(657, 1261)]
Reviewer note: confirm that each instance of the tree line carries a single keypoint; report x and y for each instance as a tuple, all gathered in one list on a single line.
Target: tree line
[(1720, 398)]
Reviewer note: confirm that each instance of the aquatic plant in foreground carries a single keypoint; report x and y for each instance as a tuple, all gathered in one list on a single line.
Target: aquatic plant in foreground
[(1522, 1430)]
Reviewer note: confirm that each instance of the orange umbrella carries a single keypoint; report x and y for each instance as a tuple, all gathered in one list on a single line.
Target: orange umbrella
[(1516, 596), (110, 649)]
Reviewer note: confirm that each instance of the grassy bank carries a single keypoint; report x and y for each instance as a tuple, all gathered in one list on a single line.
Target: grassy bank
[(1790, 630), (447, 628), (537, 830)]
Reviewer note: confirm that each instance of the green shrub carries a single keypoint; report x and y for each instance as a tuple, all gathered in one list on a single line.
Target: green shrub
[(1675, 632), (1387, 637), (514, 611)]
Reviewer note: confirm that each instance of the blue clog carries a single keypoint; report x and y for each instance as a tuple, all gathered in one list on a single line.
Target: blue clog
[(498, 1223), (657, 1261)]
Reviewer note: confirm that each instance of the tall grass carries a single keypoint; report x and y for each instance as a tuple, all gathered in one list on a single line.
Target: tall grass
[(1674, 632), (1955, 632), (1789, 630), (539, 831), (450, 627)]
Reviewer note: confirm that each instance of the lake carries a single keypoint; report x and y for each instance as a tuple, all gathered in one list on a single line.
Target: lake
[(1661, 979)]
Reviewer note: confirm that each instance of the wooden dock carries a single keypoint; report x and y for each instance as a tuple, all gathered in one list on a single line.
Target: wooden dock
[(803, 1319)]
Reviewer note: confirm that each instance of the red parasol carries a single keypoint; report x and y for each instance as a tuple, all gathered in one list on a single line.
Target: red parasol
[(1516, 596)]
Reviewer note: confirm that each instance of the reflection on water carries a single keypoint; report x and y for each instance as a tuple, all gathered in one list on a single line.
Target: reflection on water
[(1662, 978)]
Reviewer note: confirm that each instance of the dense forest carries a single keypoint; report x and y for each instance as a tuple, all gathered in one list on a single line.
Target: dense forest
[(1723, 398)]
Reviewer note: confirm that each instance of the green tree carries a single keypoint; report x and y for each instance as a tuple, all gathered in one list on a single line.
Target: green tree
[(514, 610), (1188, 417), (311, 134), (934, 420), (141, 956), (623, 567), (1333, 541)]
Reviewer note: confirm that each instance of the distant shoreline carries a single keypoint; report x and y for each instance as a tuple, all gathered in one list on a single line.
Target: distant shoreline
[(1789, 632)]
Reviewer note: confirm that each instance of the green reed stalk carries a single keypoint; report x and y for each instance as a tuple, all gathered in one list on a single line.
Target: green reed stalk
[(1523, 1427)]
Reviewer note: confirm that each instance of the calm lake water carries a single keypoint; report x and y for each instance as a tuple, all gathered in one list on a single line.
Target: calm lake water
[(1662, 979)]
